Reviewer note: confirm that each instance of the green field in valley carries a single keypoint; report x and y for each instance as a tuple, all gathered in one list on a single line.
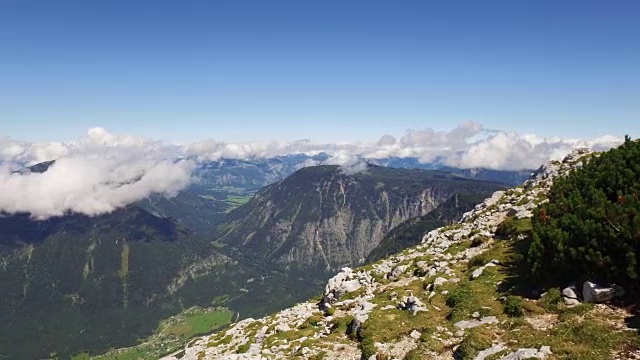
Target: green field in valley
[(172, 334)]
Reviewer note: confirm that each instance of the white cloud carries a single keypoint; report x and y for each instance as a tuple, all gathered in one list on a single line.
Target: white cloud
[(93, 176), (103, 171)]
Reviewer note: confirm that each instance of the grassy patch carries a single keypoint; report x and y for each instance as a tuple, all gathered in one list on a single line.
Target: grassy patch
[(200, 322), (340, 325), (585, 337), (223, 340), (474, 341), (512, 227), (218, 244), (236, 200), (220, 299), (311, 322), (243, 348)]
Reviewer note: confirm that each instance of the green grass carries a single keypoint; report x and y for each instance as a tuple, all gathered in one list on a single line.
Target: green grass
[(173, 333), (237, 200), (585, 336), (511, 227), (476, 340), (200, 323)]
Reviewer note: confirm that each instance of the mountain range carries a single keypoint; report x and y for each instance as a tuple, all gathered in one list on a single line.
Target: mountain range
[(87, 284), (467, 290)]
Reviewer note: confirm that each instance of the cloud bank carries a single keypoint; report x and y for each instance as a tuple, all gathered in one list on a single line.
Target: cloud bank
[(469, 145), (94, 176), (102, 171)]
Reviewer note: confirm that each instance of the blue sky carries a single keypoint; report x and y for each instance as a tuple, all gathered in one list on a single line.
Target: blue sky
[(324, 70)]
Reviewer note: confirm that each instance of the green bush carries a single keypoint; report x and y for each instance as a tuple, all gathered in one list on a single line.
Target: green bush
[(340, 325), (414, 355), (471, 345), (367, 347), (311, 321), (479, 240), (330, 311), (512, 306), (551, 300), (590, 228)]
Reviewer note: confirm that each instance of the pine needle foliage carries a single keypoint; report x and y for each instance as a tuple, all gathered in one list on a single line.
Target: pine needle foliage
[(590, 228)]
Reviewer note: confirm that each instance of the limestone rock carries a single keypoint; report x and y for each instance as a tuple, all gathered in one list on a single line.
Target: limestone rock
[(282, 327), (528, 353), (477, 272), (494, 349), (397, 271), (597, 294), (469, 324), (440, 281), (569, 296)]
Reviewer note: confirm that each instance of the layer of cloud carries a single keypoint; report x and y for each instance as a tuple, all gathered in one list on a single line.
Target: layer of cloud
[(102, 171), (94, 176), (469, 145)]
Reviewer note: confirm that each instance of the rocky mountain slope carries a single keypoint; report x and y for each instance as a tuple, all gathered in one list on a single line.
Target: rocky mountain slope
[(324, 217), (410, 232), (456, 295)]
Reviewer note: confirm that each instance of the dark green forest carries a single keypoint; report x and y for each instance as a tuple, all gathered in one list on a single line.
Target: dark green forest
[(590, 228)]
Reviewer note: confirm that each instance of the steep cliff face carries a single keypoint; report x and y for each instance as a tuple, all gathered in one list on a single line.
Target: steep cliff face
[(325, 218), (410, 232)]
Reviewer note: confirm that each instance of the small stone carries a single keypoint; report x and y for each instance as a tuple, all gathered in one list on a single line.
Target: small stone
[(415, 334), (569, 296), (475, 315), (477, 272), (282, 327), (469, 324), (439, 281)]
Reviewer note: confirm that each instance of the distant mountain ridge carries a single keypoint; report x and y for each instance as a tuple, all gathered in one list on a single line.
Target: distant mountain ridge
[(322, 218)]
